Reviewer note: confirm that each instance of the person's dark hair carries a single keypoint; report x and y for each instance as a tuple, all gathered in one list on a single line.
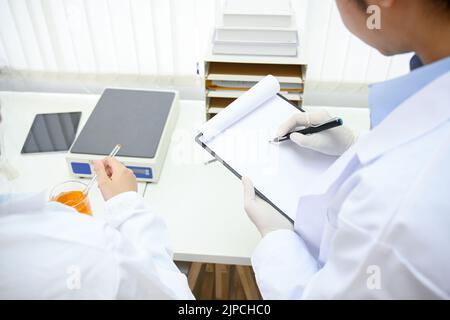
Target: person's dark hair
[(439, 4), (443, 4)]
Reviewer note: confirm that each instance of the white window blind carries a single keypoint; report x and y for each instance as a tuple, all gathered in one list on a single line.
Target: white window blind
[(166, 38), (105, 36)]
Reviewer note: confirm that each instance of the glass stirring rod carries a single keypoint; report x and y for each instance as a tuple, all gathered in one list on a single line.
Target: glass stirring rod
[(94, 178)]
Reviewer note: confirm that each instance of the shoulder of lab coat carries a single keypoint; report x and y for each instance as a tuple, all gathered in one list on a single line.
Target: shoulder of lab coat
[(55, 253)]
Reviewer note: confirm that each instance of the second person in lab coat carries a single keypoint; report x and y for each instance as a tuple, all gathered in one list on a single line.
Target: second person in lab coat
[(50, 251), (376, 224)]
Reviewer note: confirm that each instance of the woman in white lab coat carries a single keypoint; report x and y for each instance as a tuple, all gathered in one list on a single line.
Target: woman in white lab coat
[(50, 251), (376, 225)]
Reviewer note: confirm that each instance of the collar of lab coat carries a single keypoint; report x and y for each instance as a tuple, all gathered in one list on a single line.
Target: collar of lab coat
[(423, 112), (26, 202)]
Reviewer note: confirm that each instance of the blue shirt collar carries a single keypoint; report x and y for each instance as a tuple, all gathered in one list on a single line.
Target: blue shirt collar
[(386, 96)]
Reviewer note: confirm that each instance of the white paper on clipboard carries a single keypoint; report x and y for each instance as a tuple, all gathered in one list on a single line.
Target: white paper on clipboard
[(239, 137)]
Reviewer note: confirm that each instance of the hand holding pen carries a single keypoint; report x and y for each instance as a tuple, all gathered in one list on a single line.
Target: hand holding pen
[(327, 125), (318, 131)]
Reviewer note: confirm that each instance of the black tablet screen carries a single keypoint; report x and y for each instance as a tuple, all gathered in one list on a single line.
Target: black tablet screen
[(52, 132)]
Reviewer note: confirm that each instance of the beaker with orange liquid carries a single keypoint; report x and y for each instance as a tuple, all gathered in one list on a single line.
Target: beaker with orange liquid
[(71, 193)]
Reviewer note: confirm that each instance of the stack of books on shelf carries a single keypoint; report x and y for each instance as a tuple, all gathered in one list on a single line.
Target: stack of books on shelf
[(256, 27)]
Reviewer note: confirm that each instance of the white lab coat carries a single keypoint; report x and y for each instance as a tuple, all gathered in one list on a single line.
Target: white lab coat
[(377, 225), (49, 251)]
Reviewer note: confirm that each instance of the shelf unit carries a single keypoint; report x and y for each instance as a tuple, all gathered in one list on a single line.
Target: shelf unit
[(228, 77)]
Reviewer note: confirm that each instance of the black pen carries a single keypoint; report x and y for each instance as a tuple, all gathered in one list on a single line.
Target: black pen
[(330, 124)]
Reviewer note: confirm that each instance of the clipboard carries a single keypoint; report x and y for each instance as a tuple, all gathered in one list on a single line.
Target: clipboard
[(232, 170), (263, 107)]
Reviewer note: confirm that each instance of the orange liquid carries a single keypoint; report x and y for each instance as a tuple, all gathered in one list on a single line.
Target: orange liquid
[(75, 199)]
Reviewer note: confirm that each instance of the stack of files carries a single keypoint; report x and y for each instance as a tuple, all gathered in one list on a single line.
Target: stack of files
[(227, 81), (254, 27), (238, 86)]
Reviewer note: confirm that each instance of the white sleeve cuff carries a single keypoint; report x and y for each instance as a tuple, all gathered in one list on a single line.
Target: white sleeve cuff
[(283, 265), (122, 206)]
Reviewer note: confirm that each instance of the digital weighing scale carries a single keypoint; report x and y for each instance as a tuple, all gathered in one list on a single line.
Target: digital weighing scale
[(141, 121)]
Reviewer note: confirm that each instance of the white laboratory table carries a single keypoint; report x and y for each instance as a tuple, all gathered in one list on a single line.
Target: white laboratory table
[(202, 204)]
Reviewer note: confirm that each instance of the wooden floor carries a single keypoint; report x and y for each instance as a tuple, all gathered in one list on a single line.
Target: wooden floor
[(222, 282)]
